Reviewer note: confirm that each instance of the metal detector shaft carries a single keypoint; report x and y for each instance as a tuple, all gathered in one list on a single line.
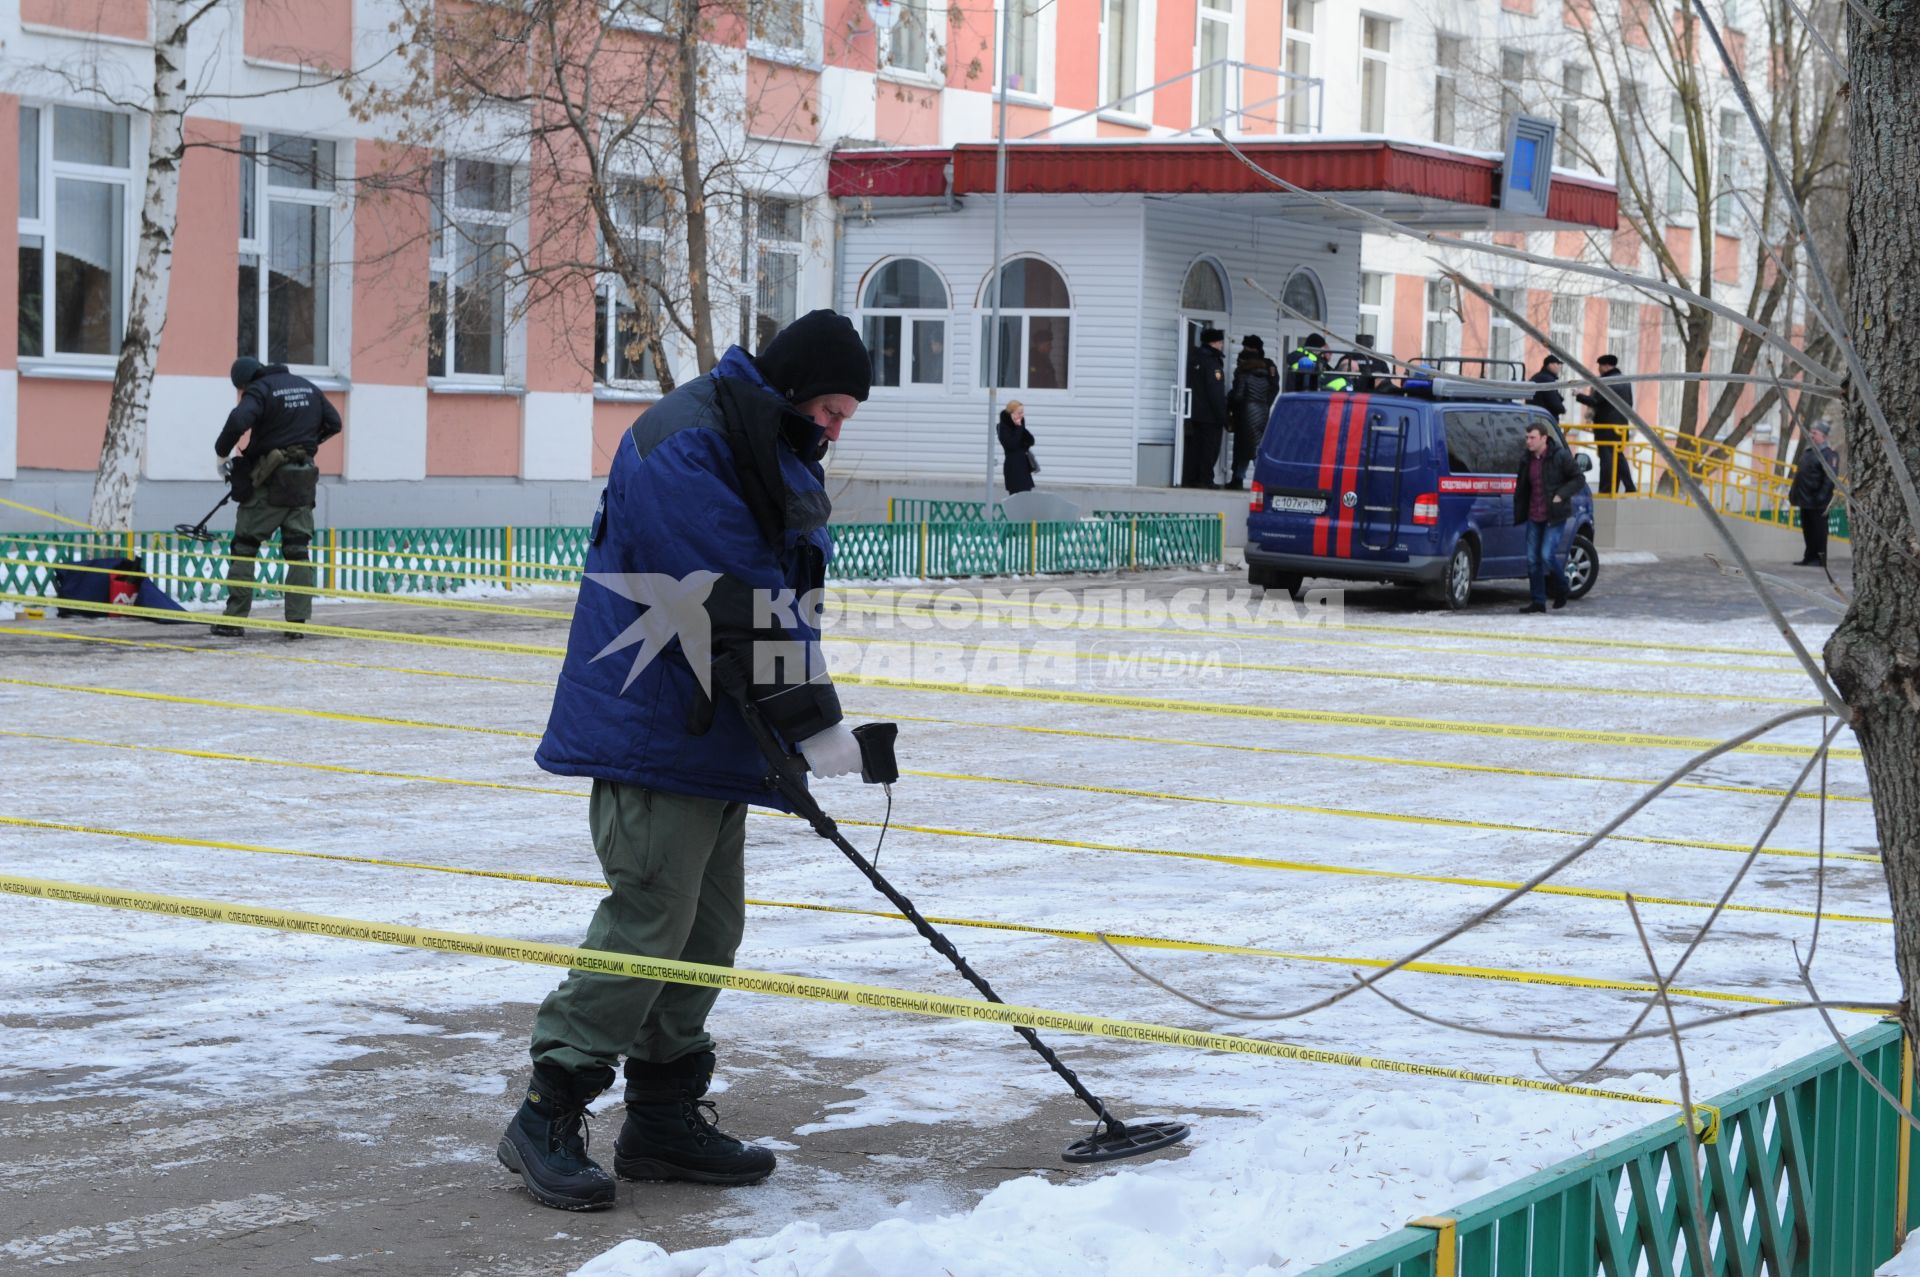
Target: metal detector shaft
[(787, 778)]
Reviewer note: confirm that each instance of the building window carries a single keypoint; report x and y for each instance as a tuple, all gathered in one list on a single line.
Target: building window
[(626, 329), (472, 214), (1303, 294), (1573, 88), (1373, 309), (778, 24), (75, 183), (1120, 61), (912, 48), (1443, 327), (1036, 327), (1213, 50), (1023, 50), (1564, 325), (1302, 17), (1726, 208), (1676, 149), (286, 249), (1513, 79), (1623, 334), (1205, 290), (778, 242), (1376, 42), (1446, 88), (1503, 339), (904, 323)]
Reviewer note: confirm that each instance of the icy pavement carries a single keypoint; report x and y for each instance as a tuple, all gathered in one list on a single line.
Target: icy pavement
[(180, 1091)]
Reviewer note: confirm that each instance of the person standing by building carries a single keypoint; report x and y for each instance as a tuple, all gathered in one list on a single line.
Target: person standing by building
[(1550, 399), (285, 419), (1309, 369), (1812, 493), (717, 489), (1610, 428), (1256, 384), (1206, 422), (1016, 446), (1543, 494)]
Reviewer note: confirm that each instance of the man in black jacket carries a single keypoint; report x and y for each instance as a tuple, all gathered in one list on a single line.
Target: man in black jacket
[(1207, 412), (1812, 493), (1610, 427), (1543, 494), (1552, 400), (286, 419)]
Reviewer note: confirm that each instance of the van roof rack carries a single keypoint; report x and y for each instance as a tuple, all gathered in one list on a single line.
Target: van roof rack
[(1473, 375)]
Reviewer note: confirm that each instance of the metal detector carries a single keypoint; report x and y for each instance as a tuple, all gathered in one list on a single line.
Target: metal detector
[(198, 531), (1112, 1139)]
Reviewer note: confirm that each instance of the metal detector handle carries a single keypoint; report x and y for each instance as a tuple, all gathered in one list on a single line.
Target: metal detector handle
[(877, 763)]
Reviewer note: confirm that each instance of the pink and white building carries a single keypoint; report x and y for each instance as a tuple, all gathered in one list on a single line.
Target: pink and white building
[(873, 192)]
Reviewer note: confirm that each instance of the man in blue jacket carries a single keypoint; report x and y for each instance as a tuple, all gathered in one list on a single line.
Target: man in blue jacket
[(710, 546)]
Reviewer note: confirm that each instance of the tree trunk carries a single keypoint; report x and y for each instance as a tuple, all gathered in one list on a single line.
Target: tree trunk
[(1875, 654), (124, 448), (693, 183)]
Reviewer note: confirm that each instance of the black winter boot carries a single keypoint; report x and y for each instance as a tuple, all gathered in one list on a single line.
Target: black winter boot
[(670, 1131), (545, 1143)]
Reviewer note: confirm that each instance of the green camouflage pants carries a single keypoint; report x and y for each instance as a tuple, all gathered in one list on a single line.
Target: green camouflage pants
[(675, 866), (253, 527)]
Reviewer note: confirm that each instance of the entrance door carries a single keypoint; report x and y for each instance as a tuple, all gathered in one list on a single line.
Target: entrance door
[(1187, 330)]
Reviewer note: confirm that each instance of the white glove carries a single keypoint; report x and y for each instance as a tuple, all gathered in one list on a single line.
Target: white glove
[(833, 752)]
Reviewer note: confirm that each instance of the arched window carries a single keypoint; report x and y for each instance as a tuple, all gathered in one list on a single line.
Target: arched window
[(1205, 289), (1036, 326), (904, 320), (1303, 294)]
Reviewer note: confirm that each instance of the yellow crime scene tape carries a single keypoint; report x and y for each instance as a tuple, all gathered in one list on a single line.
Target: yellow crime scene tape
[(314, 591), (1449, 680), (1287, 634), (1387, 722), (46, 514), (1428, 631), (809, 988), (1322, 671), (1505, 975), (1371, 760), (1346, 813)]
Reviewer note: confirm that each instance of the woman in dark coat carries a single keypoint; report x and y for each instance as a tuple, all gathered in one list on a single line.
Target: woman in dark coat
[(1016, 441), (1256, 384)]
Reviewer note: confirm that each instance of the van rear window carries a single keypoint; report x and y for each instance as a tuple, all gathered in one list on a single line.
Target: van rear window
[(1299, 429)]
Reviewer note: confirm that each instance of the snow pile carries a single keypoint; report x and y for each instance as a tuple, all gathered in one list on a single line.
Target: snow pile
[(1254, 1198)]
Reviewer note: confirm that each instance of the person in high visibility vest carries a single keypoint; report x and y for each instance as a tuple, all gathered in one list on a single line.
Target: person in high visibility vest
[(1307, 367)]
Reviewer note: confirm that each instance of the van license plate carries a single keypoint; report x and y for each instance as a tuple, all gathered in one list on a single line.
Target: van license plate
[(1299, 505)]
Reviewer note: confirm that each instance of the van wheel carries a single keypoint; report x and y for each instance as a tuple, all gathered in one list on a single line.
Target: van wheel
[(1583, 567), (1453, 589)]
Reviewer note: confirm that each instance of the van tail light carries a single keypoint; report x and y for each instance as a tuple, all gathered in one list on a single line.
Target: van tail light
[(1426, 509), (1256, 497)]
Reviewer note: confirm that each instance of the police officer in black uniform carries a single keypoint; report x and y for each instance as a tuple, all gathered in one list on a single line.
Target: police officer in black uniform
[(1207, 414), (286, 419)]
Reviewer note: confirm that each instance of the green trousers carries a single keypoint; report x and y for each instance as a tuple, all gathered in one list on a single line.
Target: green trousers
[(675, 869), (253, 527)]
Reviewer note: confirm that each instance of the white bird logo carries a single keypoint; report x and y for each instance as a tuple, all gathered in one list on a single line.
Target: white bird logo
[(670, 607)]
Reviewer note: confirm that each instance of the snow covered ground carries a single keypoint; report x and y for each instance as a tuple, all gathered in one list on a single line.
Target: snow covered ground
[(1011, 815)]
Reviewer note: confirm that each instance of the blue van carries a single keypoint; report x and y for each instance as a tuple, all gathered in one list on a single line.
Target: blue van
[(1410, 488)]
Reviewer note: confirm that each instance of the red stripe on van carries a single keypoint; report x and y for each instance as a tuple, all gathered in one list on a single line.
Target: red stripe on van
[(1350, 474), (1329, 448)]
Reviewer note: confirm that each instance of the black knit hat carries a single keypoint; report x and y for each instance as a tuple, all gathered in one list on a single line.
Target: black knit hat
[(817, 354), (1315, 340), (244, 370), (1210, 335), (1252, 342)]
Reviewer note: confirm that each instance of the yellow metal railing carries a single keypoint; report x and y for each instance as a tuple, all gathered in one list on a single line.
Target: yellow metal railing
[(1743, 487)]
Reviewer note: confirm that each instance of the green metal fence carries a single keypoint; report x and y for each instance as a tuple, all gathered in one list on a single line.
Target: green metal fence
[(925, 510), (1805, 1175), (447, 559)]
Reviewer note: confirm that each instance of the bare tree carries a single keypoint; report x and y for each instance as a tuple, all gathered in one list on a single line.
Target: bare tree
[(635, 127), (1875, 654)]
